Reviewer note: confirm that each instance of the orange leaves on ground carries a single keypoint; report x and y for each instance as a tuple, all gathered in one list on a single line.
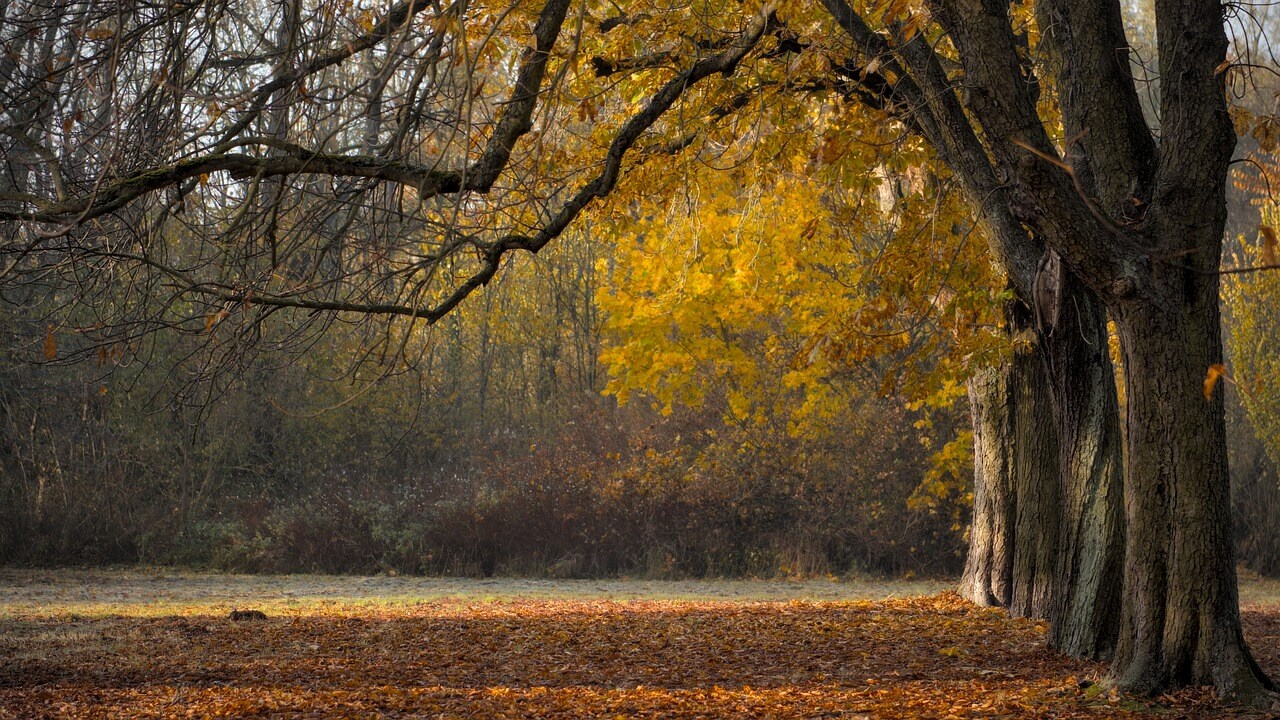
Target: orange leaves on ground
[(918, 657)]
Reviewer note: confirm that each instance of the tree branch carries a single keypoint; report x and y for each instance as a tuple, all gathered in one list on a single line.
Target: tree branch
[(514, 121)]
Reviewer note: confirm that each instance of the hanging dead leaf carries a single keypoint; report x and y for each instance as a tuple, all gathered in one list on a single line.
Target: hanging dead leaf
[(214, 318), (1211, 378), (809, 230), (102, 31), (1270, 245), (50, 344)]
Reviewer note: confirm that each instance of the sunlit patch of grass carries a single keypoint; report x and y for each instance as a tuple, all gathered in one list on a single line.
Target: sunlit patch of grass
[(1257, 590), (160, 593)]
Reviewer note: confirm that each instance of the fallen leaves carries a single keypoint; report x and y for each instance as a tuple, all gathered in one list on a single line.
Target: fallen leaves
[(935, 657)]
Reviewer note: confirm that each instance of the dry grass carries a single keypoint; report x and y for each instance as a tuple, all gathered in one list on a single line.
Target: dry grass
[(160, 592)]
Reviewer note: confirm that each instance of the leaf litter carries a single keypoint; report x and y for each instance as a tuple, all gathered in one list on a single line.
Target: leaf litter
[(569, 657)]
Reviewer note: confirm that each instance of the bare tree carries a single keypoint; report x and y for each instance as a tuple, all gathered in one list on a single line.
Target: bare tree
[(201, 165)]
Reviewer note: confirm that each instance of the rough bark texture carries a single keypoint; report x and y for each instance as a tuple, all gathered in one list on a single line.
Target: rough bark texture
[(1016, 508), (988, 568), (1086, 611), (1181, 621), (1140, 224), (1047, 538)]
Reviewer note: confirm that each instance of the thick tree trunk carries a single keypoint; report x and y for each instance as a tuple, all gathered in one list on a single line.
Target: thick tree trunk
[(1181, 617), (1047, 537), (1090, 562), (988, 568), (1013, 537)]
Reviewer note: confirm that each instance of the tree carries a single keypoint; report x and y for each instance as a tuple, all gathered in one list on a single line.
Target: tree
[(1140, 225), (1069, 578), (123, 118)]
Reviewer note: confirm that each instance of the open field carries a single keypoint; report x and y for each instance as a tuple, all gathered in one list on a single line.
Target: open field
[(159, 644)]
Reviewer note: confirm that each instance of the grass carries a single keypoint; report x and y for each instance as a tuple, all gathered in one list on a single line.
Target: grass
[(160, 592)]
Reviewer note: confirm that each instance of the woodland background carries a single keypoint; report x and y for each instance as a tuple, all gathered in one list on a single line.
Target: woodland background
[(742, 371), (505, 449)]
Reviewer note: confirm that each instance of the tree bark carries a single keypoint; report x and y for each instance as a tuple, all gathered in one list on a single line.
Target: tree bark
[(1140, 223), (1047, 538), (1090, 561), (1013, 538), (988, 570), (1181, 617)]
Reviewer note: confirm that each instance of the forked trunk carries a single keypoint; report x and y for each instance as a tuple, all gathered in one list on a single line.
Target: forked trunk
[(1181, 617)]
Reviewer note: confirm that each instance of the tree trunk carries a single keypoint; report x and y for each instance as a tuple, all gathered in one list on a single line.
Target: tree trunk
[(1181, 616), (1013, 538), (988, 568), (1047, 538), (1090, 562)]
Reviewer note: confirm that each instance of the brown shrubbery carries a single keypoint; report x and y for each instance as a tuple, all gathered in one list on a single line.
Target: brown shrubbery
[(605, 491)]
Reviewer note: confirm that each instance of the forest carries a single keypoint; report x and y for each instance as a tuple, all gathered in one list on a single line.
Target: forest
[(974, 294)]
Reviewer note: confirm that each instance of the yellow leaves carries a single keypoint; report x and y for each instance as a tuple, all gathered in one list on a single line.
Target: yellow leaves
[(1251, 301), (757, 284), (717, 291), (950, 476)]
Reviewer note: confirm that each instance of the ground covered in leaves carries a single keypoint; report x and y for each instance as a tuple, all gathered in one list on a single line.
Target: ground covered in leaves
[(134, 645)]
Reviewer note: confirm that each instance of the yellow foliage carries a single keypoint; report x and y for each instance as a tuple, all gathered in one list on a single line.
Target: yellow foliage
[(1252, 303), (796, 291)]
